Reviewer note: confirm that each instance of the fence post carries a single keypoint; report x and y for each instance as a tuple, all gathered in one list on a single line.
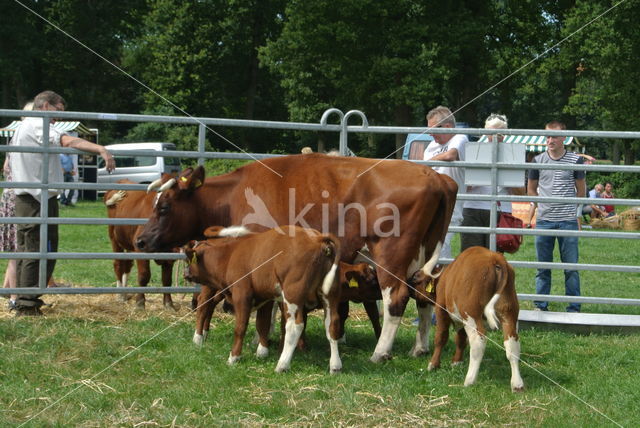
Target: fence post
[(345, 124), (202, 132)]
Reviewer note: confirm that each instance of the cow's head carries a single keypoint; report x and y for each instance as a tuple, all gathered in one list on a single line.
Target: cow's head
[(422, 287), (362, 279), (176, 217), (195, 269)]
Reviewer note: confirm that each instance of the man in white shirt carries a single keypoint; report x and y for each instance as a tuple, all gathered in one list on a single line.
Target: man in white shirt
[(447, 147), (27, 167)]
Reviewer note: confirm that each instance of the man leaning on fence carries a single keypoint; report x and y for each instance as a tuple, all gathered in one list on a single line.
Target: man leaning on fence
[(27, 167), (450, 148), (557, 215)]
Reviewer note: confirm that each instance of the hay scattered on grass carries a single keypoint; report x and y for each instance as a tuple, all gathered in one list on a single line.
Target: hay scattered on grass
[(110, 308)]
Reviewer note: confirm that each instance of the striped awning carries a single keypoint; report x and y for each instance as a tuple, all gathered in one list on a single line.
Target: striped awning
[(73, 126), (535, 143)]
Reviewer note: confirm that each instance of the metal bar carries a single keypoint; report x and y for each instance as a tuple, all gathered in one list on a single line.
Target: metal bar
[(99, 290), (580, 299), (94, 256), (202, 132)]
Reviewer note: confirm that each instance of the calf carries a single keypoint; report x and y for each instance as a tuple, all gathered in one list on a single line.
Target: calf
[(358, 283), (133, 204), (479, 282), (295, 265)]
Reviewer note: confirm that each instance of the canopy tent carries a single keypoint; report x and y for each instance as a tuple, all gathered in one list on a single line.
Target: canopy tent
[(75, 126), (534, 143)]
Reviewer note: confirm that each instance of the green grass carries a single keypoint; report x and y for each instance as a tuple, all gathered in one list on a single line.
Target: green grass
[(97, 369)]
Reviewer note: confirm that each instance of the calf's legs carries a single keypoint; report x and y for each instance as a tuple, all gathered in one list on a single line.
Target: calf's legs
[(477, 343), (512, 349), (294, 324), (263, 327), (242, 306)]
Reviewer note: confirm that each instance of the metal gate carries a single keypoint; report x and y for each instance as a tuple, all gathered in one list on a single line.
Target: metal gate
[(343, 129)]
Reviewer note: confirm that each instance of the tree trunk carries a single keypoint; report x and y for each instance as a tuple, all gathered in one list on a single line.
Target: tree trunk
[(615, 155), (321, 143), (402, 117), (629, 153)]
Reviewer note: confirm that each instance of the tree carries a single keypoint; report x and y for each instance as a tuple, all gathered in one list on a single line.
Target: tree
[(37, 56), (606, 94), (201, 57)]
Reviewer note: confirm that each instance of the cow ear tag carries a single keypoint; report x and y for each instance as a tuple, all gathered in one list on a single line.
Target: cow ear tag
[(430, 287), (353, 283)]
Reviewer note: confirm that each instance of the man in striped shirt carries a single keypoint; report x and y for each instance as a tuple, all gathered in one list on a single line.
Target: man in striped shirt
[(557, 215)]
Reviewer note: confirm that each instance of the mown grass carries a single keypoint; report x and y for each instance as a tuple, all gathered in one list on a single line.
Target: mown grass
[(94, 361)]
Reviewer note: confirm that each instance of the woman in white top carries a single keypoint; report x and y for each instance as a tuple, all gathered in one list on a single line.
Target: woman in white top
[(476, 213)]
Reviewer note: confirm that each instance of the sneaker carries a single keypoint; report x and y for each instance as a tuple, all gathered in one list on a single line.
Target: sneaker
[(12, 305)]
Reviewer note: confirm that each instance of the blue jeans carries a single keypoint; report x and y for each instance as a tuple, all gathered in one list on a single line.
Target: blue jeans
[(67, 195), (568, 254)]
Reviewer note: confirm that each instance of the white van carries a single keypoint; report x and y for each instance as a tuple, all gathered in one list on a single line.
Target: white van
[(141, 169)]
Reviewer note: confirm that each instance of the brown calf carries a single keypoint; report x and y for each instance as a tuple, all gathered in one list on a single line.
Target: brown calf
[(295, 265), (133, 204), (358, 283), (479, 282)]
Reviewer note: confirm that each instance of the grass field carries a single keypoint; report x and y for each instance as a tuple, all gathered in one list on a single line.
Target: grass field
[(94, 361)]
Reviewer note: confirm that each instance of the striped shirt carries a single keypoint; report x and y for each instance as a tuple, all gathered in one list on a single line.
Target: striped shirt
[(557, 183)]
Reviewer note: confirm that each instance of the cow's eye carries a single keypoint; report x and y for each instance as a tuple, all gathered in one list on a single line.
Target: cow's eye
[(163, 209)]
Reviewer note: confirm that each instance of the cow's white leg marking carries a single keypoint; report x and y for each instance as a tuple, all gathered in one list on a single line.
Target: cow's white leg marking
[(477, 343), (262, 351), (335, 363), (389, 328), (512, 348), (198, 339), (291, 336), (232, 360), (421, 346)]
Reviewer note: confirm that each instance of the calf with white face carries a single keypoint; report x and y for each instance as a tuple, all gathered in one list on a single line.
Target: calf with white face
[(296, 266)]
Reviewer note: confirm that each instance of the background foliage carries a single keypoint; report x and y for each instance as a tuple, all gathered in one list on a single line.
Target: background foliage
[(290, 60)]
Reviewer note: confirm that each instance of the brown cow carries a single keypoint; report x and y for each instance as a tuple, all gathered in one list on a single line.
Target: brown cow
[(358, 283), (397, 210), (479, 282), (133, 204), (295, 265)]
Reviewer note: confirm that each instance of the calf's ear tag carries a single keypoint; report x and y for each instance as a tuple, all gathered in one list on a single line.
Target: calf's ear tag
[(353, 283), (430, 287), (194, 259)]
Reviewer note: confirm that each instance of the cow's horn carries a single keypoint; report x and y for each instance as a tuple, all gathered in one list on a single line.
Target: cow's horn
[(168, 185), (155, 185)]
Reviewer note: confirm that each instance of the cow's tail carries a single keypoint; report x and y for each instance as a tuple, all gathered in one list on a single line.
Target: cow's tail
[(437, 231), (330, 249), (113, 197), (212, 232), (504, 278)]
